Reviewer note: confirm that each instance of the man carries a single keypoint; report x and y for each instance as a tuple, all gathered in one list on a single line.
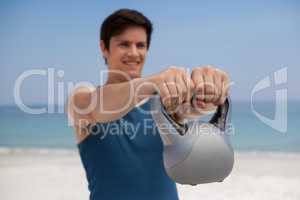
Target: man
[(119, 166)]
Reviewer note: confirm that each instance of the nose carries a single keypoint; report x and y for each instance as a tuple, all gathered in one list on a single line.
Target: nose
[(133, 51)]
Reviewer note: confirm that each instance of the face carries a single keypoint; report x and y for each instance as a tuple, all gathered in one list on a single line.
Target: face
[(127, 52)]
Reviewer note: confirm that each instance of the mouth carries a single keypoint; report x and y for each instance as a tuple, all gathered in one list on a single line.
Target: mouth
[(132, 64)]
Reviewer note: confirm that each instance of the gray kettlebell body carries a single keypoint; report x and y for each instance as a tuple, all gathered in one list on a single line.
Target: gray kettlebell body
[(198, 152)]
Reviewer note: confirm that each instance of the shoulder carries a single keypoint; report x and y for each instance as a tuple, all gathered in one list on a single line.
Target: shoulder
[(77, 106)]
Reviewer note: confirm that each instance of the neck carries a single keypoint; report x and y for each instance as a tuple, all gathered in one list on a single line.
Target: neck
[(117, 78)]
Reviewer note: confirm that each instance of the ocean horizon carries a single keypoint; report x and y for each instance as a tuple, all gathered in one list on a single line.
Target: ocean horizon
[(51, 131)]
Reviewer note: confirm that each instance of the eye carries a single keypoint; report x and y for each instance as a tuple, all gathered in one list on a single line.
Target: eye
[(141, 45), (124, 44)]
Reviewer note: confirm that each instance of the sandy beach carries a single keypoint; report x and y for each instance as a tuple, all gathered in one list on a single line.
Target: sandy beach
[(58, 174)]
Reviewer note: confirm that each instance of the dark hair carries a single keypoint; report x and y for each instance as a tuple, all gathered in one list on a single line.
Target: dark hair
[(120, 20)]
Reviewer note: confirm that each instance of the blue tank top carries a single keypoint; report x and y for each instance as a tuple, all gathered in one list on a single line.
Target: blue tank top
[(123, 159)]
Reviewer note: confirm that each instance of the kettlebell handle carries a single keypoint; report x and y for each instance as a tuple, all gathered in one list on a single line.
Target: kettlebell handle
[(219, 119)]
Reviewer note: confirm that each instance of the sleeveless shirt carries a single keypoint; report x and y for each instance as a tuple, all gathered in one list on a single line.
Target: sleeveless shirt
[(123, 159)]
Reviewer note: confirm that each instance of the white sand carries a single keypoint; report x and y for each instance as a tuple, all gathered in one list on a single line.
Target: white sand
[(58, 174)]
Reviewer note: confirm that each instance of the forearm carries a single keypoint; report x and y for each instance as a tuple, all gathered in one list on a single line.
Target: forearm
[(113, 101)]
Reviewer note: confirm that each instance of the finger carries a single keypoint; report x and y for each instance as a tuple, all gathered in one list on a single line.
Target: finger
[(198, 81), (199, 97), (165, 96), (171, 85), (189, 85), (209, 107), (223, 94), (209, 87), (227, 86), (199, 105), (225, 89), (218, 88), (181, 88)]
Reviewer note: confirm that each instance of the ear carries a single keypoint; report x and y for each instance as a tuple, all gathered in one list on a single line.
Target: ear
[(104, 50)]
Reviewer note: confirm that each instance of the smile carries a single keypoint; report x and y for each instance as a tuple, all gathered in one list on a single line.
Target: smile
[(131, 63)]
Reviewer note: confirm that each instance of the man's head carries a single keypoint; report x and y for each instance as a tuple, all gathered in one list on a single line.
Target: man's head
[(124, 40)]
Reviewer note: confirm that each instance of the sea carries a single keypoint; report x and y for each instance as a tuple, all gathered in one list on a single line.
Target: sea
[(51, 131)]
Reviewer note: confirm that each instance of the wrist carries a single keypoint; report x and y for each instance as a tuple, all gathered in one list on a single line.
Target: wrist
[(143, 88), (153, 81)]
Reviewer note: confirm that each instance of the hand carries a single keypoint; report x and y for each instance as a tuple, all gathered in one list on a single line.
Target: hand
[(175, 87), (211, 90), (212, 87)]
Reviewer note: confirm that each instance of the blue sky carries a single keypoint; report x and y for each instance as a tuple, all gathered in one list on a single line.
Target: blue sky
[(249, 40)]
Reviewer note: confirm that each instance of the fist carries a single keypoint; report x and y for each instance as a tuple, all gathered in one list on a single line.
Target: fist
[(211, 87), (175, 87)]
